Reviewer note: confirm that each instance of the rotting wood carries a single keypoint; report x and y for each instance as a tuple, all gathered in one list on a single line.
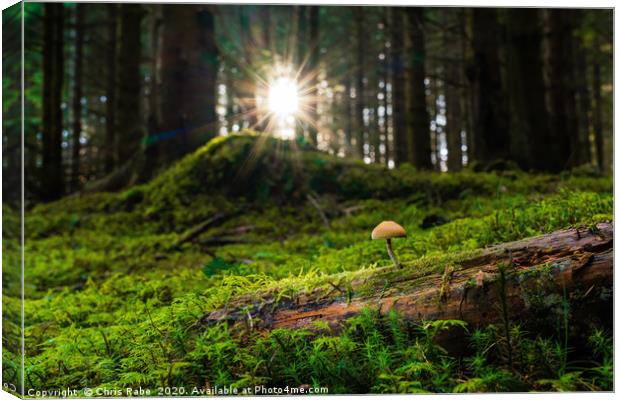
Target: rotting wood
[(578, 261)]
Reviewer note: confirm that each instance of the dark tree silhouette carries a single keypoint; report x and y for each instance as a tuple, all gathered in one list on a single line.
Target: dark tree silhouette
[(53, 71), (419, 144), (490, 130)]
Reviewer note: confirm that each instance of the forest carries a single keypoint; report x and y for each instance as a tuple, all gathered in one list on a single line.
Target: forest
[(305, 199)]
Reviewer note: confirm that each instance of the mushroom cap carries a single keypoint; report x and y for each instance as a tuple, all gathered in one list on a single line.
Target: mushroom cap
[(388, 230)]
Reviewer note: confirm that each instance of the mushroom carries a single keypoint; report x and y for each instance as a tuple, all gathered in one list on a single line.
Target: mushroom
[(480, 279), (388, 230)]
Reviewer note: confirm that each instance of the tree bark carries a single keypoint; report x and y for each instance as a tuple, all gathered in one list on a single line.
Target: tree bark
[(189, 66), (597, 112), (110, 125), (490, 114), (454, 118), (301, 52), (530, 137), (231, 114), (434, 108), (302, 39), (584, 155), (12, 150), (398, 83), (562, 90), (387, 62), (248, 45), (77, 96), (266, 21), (349, 110), (129, 83), (53, 71), (150, 147), (453, 128), (359, 81), (466, 90), (376, 127), (313, 66), (573, 262), (419, 145)]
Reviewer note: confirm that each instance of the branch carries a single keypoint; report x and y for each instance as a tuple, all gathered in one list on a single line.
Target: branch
[(216, 220)]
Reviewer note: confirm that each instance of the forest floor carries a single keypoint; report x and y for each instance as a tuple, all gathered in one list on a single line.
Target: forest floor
[(118, 285)]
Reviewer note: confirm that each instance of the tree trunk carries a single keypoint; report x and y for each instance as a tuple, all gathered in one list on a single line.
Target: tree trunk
[(453, 128), (12, 150), (266, 22), (454, 119), (466, 90), (529, 119), (231, 115), (349, 110), (110, 127), (189, 66), (387, 62), (313, 67), (129, 83), (490, 114), (360, 30), (573, 262), (302, 53), (399, 103), (150, 147), (302, 39), (376, 127), (77, 96), (562, 92), (584, 155), (419, 145), (248, 87), (435, 134), (53, 71), (597, 112)]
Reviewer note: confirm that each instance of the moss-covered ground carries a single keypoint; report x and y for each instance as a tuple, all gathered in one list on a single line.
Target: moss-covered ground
[(114, 300)]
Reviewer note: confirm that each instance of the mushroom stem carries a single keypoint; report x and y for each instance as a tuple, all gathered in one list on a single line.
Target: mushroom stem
[(388, 244)]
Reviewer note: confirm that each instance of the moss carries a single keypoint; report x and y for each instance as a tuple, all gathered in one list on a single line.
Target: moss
[(112, 303)]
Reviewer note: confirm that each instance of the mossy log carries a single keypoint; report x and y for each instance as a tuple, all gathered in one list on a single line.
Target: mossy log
[(574, 264)]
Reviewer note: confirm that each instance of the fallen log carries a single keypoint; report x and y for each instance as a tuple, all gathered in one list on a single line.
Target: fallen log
[(575, 263), (216, 220)]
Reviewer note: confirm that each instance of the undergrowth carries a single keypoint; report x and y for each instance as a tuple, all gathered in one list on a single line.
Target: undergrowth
[(114, 300)]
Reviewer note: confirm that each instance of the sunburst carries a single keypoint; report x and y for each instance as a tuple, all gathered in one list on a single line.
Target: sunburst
[(285, 100)]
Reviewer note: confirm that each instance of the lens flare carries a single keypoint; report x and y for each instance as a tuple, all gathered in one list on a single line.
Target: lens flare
[(283, 97)]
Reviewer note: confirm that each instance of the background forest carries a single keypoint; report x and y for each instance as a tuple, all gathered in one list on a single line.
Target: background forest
[(119, 91), (201, 183)]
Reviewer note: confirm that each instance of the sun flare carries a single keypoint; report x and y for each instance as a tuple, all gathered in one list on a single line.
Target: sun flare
[(283, 100)]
